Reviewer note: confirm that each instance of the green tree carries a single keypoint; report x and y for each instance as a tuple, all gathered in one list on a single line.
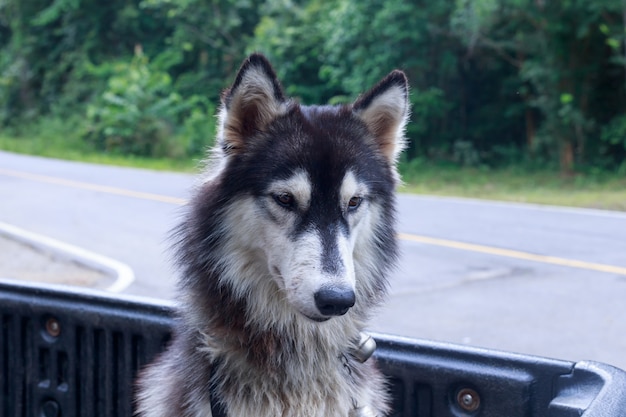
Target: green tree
[(291, 35), (454, 95), (493, 82), (558, 50), (47, 47), (207, 43), (141, 114)]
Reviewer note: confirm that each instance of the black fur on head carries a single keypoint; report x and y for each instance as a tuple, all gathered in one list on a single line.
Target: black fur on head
[(264, 136)]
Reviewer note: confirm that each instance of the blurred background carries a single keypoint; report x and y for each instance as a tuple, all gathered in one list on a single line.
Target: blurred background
[(515, 100), (524, 84)]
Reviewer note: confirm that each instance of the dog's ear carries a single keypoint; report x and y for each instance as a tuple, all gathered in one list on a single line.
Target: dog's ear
[(385, 111), (250, 104)]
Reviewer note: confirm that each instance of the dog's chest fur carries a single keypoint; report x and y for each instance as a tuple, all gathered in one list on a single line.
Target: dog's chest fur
[(312, 378)]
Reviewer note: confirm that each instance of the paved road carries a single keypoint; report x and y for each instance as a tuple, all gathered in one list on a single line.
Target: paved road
[(529, 279)]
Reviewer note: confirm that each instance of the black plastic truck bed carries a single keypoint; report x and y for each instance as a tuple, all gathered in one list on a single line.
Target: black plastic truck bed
[(66, 353)]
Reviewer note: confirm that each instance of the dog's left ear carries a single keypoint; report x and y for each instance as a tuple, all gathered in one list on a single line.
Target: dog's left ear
[(385, 111), (250, 104)]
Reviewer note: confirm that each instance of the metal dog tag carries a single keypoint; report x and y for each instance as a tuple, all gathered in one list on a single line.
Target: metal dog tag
[(362, 412), (365, 348)]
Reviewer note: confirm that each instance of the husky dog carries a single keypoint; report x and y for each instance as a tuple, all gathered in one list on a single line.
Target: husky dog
[(283, 254)]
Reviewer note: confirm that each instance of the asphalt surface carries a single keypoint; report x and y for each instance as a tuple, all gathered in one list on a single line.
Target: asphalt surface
[(20, 261), (529, 279)]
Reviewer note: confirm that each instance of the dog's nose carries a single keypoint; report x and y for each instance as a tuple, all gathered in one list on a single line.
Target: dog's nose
[(334, 301)]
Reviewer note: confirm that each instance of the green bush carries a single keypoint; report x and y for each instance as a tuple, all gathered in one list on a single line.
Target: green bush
[(141, 114), (614, 140)]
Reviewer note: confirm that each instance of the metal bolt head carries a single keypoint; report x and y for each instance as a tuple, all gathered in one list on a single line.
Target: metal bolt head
[(53, 327), (51, 409), (468, 399)]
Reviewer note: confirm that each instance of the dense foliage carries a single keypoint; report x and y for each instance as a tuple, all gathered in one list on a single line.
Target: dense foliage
[(494, 82)]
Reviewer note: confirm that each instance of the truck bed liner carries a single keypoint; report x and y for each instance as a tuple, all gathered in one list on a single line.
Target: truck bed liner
[(66, 353)]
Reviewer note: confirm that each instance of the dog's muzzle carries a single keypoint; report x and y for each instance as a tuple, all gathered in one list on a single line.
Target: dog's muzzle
[(334, 301)]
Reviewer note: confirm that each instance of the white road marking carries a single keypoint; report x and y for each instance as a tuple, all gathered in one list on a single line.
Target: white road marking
[(124, 275)]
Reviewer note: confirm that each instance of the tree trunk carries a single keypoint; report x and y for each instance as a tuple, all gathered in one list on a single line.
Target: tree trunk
[(567, 158), (624, 23), (530, 129)]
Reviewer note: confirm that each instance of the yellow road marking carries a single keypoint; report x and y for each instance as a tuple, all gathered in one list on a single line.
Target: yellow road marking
[(92, 187), (490, 250), (572, 263)]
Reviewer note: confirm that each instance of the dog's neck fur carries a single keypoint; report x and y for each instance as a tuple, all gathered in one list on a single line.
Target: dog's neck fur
[(288, 357), (310, 364)]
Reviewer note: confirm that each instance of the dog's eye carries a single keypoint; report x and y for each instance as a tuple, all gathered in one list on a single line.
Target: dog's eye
[(354, 203), (284, 199)]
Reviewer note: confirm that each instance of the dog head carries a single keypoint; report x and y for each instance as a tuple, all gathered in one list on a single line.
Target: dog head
[(307, 192)]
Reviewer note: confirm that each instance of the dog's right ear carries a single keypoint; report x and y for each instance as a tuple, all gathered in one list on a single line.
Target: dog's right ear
[(385, 111), (250, 104)]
